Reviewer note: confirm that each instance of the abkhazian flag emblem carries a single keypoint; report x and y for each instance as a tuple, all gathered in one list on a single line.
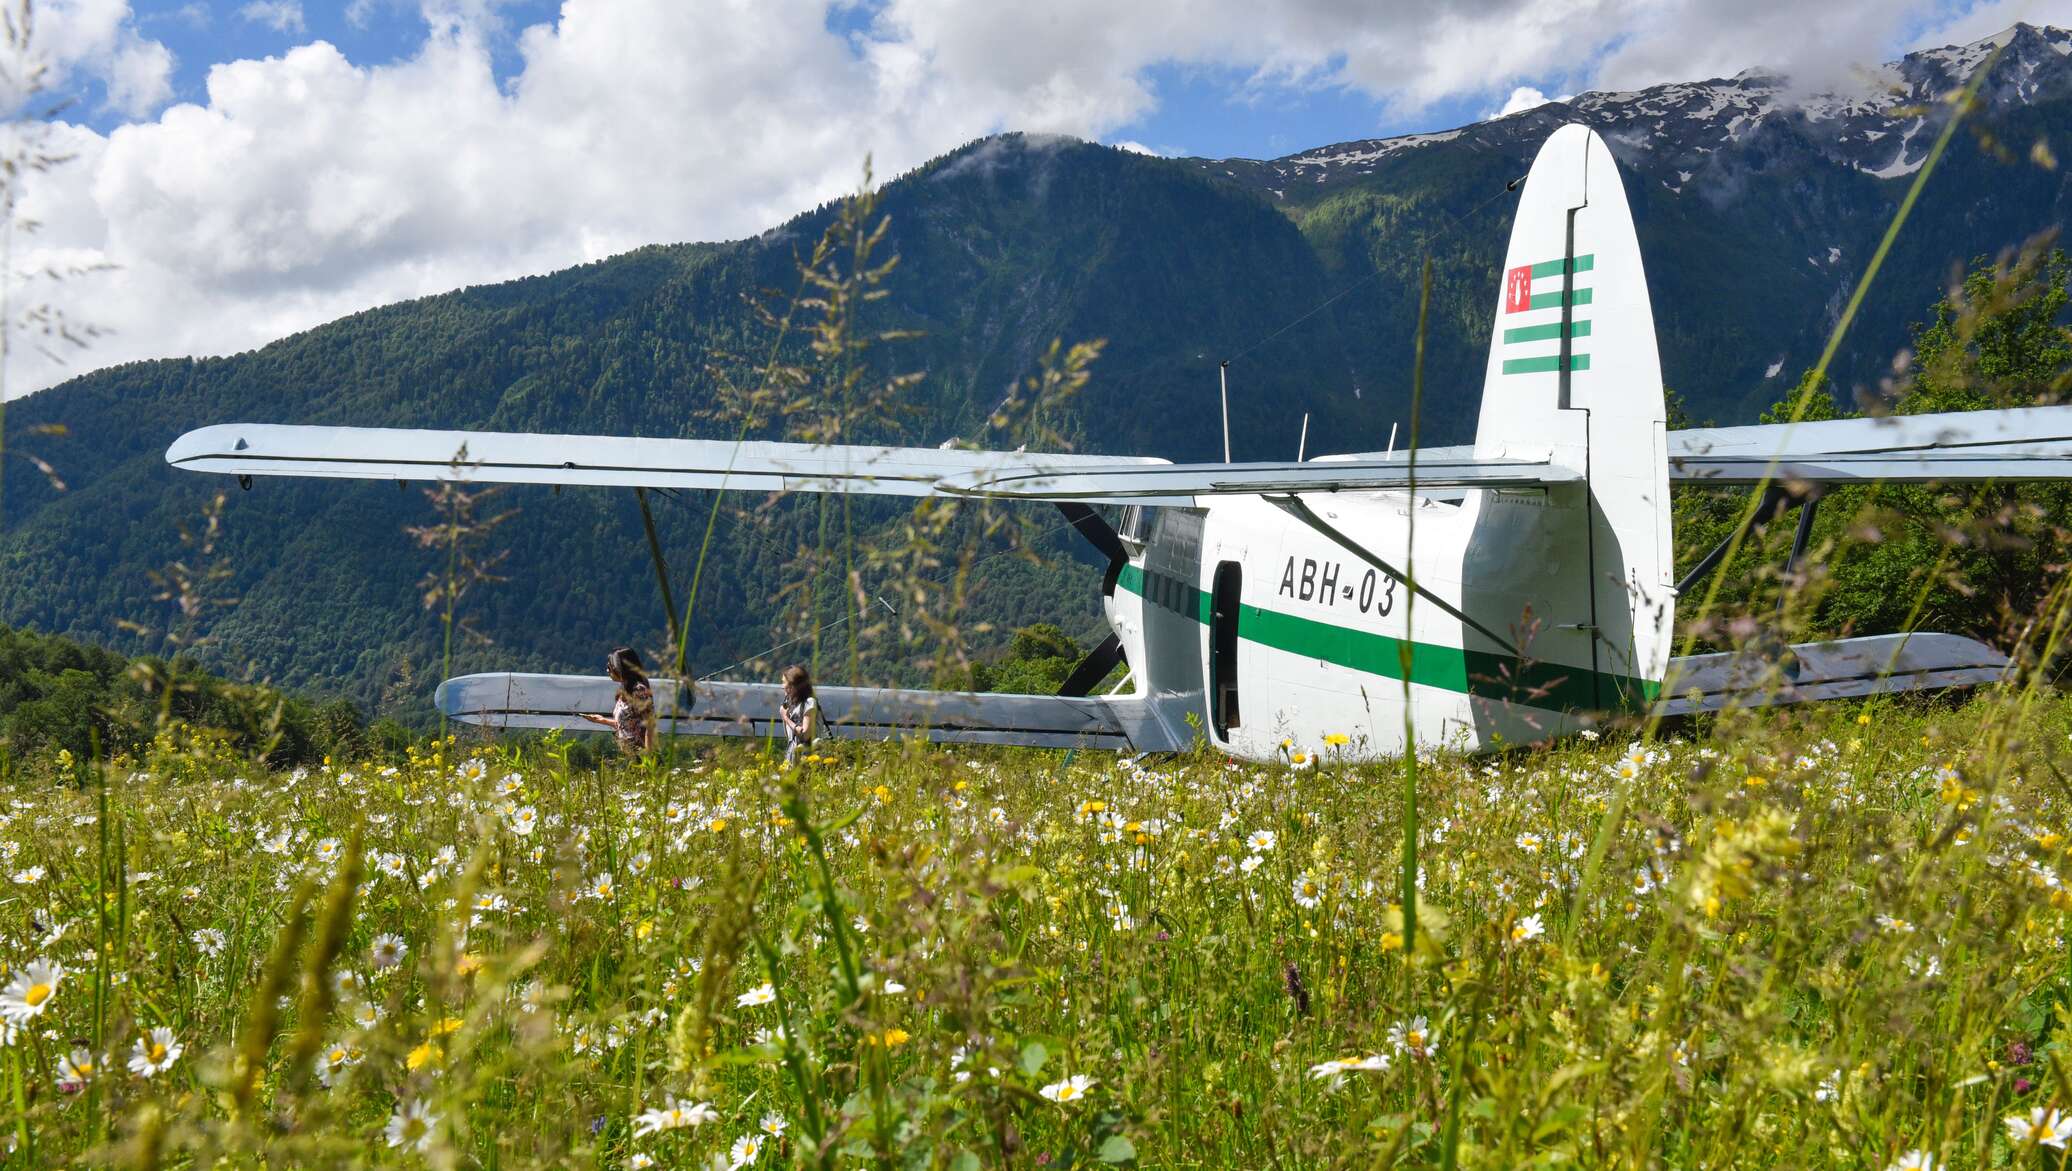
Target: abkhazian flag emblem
[(1535, 290)]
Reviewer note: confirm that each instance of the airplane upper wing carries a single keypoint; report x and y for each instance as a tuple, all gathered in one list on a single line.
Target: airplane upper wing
[(503, 457), (253, 449), (2028, 443)]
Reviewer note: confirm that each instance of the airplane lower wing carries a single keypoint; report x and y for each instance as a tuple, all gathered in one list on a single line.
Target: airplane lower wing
[(1843, 669), (2029, 443), (490, 457), (1129, 723)]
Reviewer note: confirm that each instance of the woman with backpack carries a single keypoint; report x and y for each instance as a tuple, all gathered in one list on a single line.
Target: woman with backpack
[(800, 711)]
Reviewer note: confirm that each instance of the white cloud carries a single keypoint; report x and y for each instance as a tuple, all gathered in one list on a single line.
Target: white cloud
[(1523, 98), (98, 39), (306, 186), (1134, 147), (139, 76), (282, 16)]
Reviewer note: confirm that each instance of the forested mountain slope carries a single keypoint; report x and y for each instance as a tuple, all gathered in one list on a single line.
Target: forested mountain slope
[(1757, 211)]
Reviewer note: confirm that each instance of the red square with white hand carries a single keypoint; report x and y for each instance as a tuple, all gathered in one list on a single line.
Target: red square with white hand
[(1518, 289)]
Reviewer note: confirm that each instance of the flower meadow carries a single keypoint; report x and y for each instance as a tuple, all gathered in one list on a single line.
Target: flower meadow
[(1827, 938)]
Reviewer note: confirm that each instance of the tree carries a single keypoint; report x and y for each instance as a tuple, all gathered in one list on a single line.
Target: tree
[(1973, 559), (1039, 658)]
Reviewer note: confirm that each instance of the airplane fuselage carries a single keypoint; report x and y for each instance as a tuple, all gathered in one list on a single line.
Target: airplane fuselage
[(1297, 624)]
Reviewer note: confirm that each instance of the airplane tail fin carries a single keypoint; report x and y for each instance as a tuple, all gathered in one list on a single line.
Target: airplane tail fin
[(1574, 374)]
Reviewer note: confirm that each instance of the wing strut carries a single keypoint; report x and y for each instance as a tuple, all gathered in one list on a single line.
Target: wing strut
[(647, 521), (1094, 667), (1775, 497), (1807, 507)]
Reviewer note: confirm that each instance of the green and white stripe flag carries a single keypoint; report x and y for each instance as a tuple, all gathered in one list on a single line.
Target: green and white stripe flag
[(1531, 321)]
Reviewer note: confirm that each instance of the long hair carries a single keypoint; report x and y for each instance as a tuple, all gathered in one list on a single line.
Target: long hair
[(798, 683), (623, 664)]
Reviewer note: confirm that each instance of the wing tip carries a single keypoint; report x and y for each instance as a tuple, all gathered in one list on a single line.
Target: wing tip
[(199, 443)]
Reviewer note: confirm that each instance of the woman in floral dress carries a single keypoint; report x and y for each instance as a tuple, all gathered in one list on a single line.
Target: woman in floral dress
[(633, 714)]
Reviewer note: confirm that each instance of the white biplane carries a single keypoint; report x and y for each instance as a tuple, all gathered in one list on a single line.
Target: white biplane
[(1258, 604)]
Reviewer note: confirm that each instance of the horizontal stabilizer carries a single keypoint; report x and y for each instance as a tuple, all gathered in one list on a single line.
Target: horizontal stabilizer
[(2029, 443), (1124, 722), (1182, 483), (1844, 669)]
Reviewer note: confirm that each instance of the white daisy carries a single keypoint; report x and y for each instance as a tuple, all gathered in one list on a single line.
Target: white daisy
[(410, 1127), (1308, 891), (75, 1069), (2043, 1126), (334, 1061), (154, 1052), (678, 1113), (29, 993), (1528, 929), (1414, 1037), (388, 950), (1070, 1090)]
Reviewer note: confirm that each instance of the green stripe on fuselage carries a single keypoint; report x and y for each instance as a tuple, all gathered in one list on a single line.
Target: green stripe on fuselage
[(1484, 674)]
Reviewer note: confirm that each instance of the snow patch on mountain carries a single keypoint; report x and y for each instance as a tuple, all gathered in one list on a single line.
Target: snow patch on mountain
[(1879, 123)]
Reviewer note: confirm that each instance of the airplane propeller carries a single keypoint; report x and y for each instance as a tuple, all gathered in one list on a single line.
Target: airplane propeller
[(1102, 536)]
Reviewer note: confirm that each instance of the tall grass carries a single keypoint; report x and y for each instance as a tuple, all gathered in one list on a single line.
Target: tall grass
[(1823, 940)]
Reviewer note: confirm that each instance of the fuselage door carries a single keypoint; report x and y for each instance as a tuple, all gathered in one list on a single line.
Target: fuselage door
[(1225, 596)]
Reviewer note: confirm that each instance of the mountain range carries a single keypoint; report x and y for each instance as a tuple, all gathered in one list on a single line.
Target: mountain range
[(1758, 205)]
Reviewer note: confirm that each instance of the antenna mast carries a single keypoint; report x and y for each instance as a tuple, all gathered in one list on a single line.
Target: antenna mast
[(1302, 444), (1223, 376)]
